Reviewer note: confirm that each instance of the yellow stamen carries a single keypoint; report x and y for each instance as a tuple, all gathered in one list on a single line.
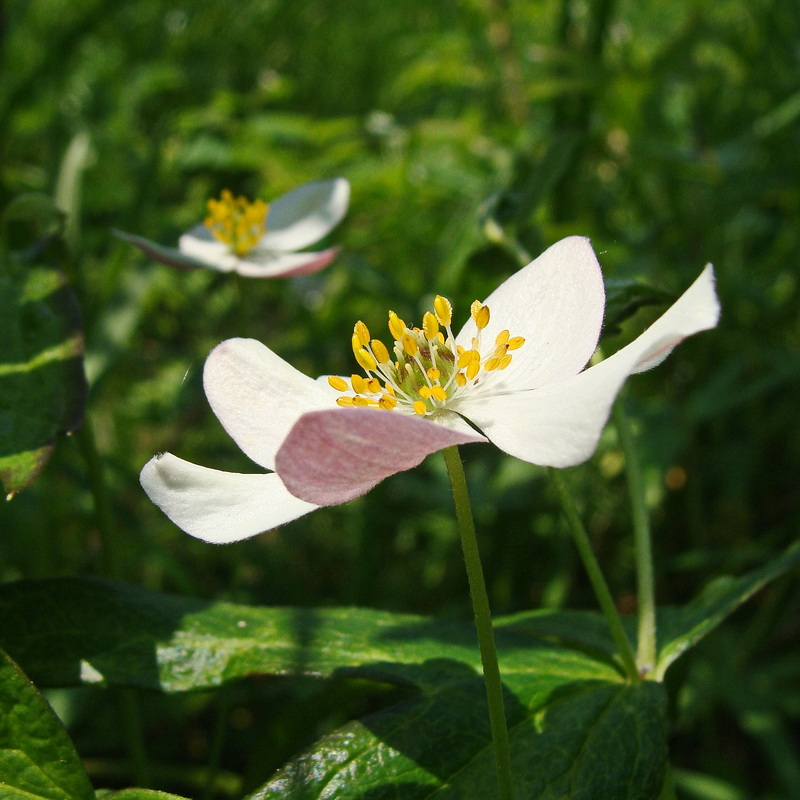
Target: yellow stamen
[(480, 314), (373, 385), (439, 393), (516, 342), (365, 360), (461, 379), (473, 369), (469, 357), (434, 374), (491, 364), (430, 325), (388, 402), (237, 222), (380, 352), (362, 332), (443, 309), (504, 361), (359, 384), (346, 402), (420, 408), (409, 344), (396, 326), (502, 337), (426, 392), (340, 384)]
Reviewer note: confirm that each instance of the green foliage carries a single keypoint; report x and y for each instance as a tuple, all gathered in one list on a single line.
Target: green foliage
[(37, 759)]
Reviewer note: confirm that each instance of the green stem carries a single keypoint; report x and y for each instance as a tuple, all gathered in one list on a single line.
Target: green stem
[(645, 581), (581, 539), (483, 622)]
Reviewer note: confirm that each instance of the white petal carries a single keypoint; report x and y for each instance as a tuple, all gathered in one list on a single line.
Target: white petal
[(219, 507), (198, 243), (283, 265), (556, 303), (306, 214), (560, 424), (257, 396)]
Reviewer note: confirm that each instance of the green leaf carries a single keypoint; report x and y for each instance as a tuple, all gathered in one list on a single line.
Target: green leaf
[(576, 728), (37, 759), (42, 385), (170, 256), (624, 298), (680, 629), (136, 794)]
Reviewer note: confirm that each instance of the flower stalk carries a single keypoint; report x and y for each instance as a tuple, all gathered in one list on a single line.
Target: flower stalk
[(643, 551), (483, 622), (601, 590)]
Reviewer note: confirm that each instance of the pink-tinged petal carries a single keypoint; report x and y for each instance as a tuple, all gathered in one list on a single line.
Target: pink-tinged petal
[(218, 507), (257, 396), (556, 303), (284, 265), (330, 457), (163, 255), (560, 424), (306, 214)]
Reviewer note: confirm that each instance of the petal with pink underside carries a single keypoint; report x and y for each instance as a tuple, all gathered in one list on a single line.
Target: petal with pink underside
[(219, 507), (306, 214), (199, 244), (556, 303), (284, 265), (560, 424), (330, 457), (257, 396)]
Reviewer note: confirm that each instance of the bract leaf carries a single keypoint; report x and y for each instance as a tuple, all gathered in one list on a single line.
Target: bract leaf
[(37, 759)]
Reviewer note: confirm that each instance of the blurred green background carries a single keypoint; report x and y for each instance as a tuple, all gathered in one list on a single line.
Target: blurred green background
[(667, 132)]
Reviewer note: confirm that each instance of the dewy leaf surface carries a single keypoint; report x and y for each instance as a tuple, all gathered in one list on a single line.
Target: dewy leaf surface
[(42, 385), (577, 730), (680, 629), (37, 759)]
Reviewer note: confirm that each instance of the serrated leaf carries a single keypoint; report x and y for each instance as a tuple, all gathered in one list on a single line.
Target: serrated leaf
[(170, 256), (42, 385), (576, 728), (680, 629), (37, 759)]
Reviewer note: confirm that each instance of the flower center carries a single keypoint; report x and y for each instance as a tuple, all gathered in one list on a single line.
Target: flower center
[(237, 222), (429, 370)]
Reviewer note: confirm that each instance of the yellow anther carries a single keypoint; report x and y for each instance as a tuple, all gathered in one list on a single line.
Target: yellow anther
[(355, 343), (461, 379), (409, 344), (516, 342), (473, 369), (380, 352), (440, 337), (236, 222), (439, 393), (480, 314), (500, 350), (443, 309), (491, 364), (396, 326), (430, 325), (388, 402), (358, 383), (340, 384), (502, 337), (420, 408), (504, 361), (365, 360), (434, 374), (363, 402), (373, 385), (362, 332), (468, 357), (426, 392), (347, 402), (389, 388)]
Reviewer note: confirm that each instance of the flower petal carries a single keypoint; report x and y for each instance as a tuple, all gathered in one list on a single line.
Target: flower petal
[(163, 255), (257, 396), (284, 265), (305, 215), (219, 507), (560, 424), (330, 457), (556, 303), (200, 245)]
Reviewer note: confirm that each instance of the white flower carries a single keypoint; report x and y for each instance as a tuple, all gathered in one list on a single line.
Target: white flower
[(514, 375), (259, 240)]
